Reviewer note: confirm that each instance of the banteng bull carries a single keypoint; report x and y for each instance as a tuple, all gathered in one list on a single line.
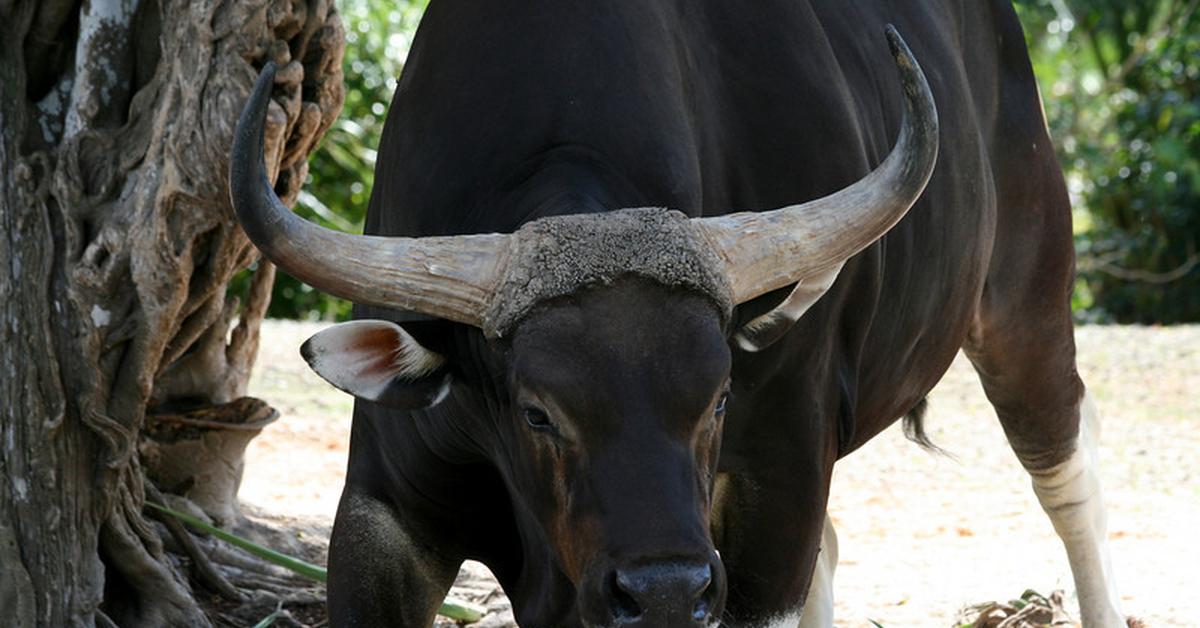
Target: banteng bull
[(631, 414)]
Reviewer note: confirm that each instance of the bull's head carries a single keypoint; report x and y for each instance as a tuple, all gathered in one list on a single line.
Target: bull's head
[(612, 335)]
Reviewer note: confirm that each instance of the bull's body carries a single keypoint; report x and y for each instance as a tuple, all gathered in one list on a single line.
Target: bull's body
[(506, 114), (509, 112)]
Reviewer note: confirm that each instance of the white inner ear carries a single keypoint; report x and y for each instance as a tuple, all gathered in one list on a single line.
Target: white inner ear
[(364, 357), (807, 292)]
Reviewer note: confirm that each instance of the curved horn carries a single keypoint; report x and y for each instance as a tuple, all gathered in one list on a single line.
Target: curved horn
[(451, 277), (764, 251)]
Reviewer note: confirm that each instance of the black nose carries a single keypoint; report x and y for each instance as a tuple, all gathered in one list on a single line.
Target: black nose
[(670, 594)]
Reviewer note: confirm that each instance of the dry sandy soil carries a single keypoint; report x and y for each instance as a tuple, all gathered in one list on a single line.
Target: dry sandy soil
[(920, 535)]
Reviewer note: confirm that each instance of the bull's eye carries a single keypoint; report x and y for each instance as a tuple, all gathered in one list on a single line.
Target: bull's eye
[(720, 409), (538, 419)]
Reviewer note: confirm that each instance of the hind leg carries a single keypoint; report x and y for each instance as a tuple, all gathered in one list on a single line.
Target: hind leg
[(1056, 443), (1022, 343), (1070, 494), (1027, 366)]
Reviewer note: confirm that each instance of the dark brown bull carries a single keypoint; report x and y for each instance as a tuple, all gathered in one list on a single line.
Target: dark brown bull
[(599, 400)]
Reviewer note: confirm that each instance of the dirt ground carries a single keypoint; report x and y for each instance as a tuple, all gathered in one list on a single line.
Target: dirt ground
[(920, 535)]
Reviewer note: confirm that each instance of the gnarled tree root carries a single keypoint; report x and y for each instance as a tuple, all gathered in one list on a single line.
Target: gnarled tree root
[(248, 588)]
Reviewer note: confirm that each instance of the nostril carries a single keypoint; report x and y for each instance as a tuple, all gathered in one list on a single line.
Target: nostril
[(702, 611), (704, 581), (621, 603)]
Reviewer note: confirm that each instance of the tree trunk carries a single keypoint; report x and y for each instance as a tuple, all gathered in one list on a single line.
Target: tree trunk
[(116, 250)]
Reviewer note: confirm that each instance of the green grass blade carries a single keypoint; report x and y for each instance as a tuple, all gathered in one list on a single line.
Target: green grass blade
[(269, 619), (462, 611), (458, 610), (296, 565)]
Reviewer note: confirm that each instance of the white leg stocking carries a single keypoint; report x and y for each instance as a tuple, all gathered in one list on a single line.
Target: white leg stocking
[(818, 610), (1070, 494)]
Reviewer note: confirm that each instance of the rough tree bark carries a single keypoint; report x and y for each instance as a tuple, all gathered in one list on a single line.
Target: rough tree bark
[(117, 244)]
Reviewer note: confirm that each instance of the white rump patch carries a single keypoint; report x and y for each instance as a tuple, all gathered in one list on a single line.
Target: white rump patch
[(363, 358), (1070, 494)]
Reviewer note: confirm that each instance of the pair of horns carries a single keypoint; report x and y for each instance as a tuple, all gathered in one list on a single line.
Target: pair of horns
[(457, 277)]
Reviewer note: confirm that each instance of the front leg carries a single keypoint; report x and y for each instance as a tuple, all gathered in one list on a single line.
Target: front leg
[(770, 534), (818, 608), (383, 571)]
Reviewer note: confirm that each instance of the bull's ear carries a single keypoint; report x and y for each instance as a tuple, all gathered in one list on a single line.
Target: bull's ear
[(379, 361), (765, 330)]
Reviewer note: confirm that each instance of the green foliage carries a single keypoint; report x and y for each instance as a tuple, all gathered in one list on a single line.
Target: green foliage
[(1121, 82), (342, 169)]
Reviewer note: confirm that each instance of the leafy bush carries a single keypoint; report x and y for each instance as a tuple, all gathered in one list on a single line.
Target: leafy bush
[(1121, 82)]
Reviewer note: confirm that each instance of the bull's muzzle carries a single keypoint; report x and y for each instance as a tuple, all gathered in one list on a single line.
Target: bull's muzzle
[(664, 594)]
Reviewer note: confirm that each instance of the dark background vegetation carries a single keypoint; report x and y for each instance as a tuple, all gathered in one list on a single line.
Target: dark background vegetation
[(1120, 81)]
